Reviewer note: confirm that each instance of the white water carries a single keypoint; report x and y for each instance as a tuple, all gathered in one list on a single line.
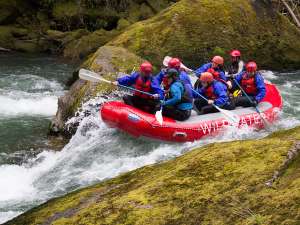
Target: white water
[(97, 152), (22, 95)]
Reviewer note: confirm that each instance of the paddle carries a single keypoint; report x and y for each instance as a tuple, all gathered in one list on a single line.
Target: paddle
[(94, 77), (168, 58), (267, 126), (229, 115), (158, 116)]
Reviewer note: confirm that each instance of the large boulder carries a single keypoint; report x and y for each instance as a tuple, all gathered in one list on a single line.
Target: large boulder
[(195, 30), (242, 182), (108, 61)]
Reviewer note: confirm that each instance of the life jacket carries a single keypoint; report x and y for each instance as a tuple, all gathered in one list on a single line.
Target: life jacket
[(209, 92), (142, 85), (248, 84), (186, 96), (216, 76), (165, 83)]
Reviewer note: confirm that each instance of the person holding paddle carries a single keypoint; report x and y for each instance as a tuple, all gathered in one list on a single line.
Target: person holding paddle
[(178, 102), (215, 94), (252, 85), (174, 63), (215, 67), (237, 64), (142, 82)]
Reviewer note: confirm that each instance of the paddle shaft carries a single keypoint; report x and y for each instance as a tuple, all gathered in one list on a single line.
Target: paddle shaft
[(94, 77), (250, 100), (247, 96), (133, 89), (197, 93)]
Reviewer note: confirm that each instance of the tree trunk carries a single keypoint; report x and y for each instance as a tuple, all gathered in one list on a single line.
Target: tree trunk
[(296, 20)]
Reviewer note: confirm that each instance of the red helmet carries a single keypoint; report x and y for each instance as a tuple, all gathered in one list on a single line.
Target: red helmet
[(174, 63), (235, 53), (206, 77), (146, 68), (218, 60), (251, 67)]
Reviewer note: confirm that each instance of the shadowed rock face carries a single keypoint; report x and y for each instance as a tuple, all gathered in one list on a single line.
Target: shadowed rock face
[(72, 28), (223, 183)]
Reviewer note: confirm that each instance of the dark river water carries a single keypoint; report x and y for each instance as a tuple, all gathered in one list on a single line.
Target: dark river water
[(31, 172)]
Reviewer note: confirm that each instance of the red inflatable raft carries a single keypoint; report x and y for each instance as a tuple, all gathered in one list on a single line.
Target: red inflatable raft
[(138, 123)]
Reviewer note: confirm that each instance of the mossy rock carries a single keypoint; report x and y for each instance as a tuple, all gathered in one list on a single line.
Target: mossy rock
[(65, 10), (107, 61), (56, 35), (87, 44), (26, 46), (122, 24), (221, 183), (195, 30), (6, 37)]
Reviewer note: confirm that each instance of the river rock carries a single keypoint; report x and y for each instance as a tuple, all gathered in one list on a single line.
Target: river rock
[(220, 183), (196, 30), (107, 61)]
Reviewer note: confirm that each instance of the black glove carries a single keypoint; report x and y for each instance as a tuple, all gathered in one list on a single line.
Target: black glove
[(254, 103)]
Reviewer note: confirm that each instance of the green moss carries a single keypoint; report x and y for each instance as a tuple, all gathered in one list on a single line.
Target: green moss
[(6, 37), (79, 48), (65, 10), (122, 23), (195, 33), (107, 61), (220, 183), (55, 34), (26, 46)]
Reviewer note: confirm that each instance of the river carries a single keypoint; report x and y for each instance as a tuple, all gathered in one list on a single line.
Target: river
[(31, 172)]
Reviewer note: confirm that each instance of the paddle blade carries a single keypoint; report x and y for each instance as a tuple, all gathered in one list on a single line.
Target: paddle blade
[(235, 119), (166, 61), (159, 117), (182, 66), (91, 76)]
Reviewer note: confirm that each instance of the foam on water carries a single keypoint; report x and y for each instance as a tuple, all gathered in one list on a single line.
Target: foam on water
[(97, 152), (28, 94), (12, 107), (28, 83), (5, 216)]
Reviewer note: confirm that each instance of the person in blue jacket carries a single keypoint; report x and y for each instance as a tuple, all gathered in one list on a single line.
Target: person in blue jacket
[(253, 84), (215, 92), (174, 63), (178, 102), (215, 67), (143, 81)]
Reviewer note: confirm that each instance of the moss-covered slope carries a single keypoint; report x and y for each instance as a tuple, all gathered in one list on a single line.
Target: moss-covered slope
[(197, 29), (220, 183)]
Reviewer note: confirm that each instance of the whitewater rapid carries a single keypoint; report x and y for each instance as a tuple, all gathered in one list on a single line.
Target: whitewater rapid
[(97, 152), (36, 96)]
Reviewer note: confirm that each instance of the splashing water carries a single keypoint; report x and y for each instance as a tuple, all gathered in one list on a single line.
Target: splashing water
[(97, 152)]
